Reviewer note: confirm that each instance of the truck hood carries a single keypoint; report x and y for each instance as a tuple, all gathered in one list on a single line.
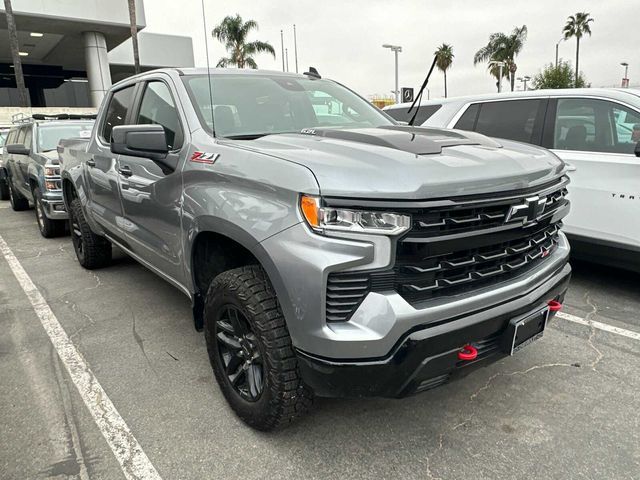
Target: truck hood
[(410, 163)]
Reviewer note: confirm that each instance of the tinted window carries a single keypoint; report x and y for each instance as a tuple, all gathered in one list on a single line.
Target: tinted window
[(402, 114), (50, 135), (27, 137), (117, 110), (586, 124), (512, 119), (157, 108), (468, 119)]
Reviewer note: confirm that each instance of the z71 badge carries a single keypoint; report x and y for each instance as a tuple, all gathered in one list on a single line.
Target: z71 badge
[(204, 157)]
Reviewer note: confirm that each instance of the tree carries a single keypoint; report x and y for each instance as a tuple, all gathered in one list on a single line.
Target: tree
[(577, 25), (233, 32), (560, 76), (23, 95), (134, 35), (503, 47), (444, 59)]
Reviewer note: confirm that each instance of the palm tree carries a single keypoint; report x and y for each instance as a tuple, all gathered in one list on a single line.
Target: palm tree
[(503, 47), (577, 25), (444, 59), (233, 32), (15, 55), (134, 35)]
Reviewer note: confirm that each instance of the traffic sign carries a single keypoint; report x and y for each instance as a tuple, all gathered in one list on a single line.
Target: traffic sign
[(407, 94)]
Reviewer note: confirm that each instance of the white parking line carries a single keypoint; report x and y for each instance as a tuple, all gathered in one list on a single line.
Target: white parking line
[(599, 325), (134, 462)]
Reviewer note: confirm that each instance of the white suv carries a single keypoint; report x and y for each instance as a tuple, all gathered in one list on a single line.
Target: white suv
[(595, 130)]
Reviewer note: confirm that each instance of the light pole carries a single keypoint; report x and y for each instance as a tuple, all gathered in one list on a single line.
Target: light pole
[(524, 80), (282, 45), (557, 45), (500, 66), (395, 49), (625, 80)]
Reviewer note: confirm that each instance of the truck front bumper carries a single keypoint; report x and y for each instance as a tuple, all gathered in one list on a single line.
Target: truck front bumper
[(428, 357), (54, 207)]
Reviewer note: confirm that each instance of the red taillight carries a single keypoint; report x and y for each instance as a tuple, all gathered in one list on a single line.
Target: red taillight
[(468, 352), (554, 306)]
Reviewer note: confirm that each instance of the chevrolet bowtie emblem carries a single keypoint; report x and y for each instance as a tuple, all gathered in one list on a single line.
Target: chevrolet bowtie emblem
[(528, 212)]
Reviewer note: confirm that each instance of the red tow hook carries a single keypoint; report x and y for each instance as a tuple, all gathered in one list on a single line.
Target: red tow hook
[(468, 353), (554, 306)]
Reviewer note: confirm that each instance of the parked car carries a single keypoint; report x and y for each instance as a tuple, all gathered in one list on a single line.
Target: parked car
[(596, 130), (32, 169), (340, 256), (4, 187)]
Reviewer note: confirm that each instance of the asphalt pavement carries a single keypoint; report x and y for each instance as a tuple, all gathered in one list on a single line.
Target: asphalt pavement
[(565, 407)]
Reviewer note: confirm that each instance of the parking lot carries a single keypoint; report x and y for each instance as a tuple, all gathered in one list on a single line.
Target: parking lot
[(564, 407)]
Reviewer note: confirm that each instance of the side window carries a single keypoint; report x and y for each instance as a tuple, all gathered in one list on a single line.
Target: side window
[(12, 137), (117, 110), (591, 125), (468, 119), (626, 128), (511, 119), (20, 136), (158, 108), (27, 137), (424, 112)]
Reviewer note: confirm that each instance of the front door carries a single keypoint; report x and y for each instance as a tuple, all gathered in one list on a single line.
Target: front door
[(598, 137), (151, 193), (102, 174)]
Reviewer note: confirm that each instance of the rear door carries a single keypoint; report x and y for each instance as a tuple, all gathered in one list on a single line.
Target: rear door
[(151, 192), (598, 137), (101, 168)]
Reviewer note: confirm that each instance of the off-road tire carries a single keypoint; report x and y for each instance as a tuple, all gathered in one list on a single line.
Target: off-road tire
[(4, 189), (48, 228), (93, 251), (18, 202), (284, 396)]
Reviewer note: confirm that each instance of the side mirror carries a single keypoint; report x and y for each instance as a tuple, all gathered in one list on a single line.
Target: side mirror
[(637, 150), (18, 149), (148, 141)]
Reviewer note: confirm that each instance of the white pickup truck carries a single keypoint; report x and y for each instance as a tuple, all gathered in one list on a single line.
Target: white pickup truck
[(595, 130)]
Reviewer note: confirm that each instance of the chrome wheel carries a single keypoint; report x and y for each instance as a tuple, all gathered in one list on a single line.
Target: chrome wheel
[(40, 214)]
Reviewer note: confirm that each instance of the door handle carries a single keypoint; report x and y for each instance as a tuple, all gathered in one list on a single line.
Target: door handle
[(91, 162), (125, 171)]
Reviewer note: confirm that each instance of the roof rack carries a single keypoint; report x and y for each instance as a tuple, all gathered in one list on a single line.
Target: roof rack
[(22, 118)]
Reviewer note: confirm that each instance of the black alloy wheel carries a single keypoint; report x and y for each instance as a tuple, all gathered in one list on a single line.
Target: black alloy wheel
[(239, 353)]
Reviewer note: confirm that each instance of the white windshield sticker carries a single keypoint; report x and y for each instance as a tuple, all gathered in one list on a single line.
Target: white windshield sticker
[(85, 133)]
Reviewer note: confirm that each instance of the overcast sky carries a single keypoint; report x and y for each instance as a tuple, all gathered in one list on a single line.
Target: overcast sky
[(343, 39)]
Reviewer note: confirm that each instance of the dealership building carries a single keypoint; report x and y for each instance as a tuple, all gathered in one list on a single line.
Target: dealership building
[(73, 50)]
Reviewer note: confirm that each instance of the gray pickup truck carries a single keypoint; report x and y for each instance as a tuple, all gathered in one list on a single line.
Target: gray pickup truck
[(326, 249), (31, 170)]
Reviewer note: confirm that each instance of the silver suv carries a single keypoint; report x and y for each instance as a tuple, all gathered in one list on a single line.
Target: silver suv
[(326, 249), (596, 130)]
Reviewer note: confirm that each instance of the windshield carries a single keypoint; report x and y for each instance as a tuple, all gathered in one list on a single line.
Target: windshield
[(253, 105), (50, 135)]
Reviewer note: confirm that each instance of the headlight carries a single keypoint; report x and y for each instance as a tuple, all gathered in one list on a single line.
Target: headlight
[(51, 171), (357, 221)]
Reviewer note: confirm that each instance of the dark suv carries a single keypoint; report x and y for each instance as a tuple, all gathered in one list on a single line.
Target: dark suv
[(30, 159)]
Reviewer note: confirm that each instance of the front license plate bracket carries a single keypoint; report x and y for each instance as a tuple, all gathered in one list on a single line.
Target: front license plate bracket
[(521, 331)]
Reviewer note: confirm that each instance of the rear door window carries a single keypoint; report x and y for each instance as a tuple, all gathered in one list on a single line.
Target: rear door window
[(117, 110), (519, 120), (402, 114)]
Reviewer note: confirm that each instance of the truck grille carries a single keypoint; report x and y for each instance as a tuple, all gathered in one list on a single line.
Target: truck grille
[(460, 245)]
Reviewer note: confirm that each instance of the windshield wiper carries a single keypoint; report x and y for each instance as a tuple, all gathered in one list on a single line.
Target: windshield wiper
[(246, 136)]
